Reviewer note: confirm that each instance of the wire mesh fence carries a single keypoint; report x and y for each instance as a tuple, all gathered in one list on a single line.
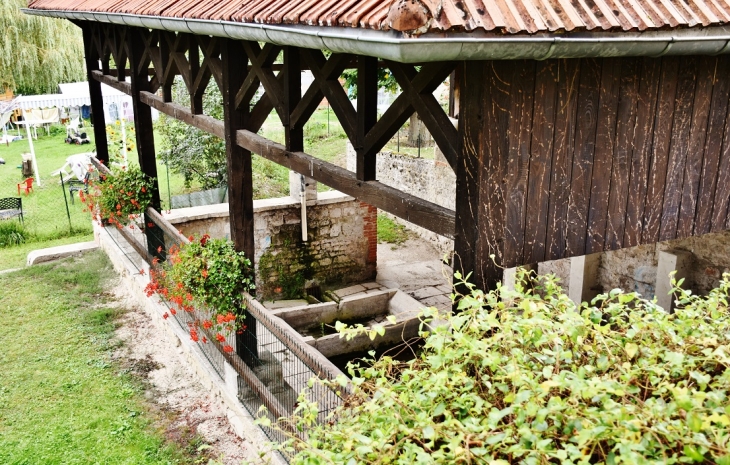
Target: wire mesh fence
[(42, 210), (273, 363)]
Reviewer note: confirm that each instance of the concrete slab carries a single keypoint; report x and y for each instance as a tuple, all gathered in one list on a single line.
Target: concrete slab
[(348, 291), (371, 285), (56, 253), (425, 293), (678, 261), (276, 304)]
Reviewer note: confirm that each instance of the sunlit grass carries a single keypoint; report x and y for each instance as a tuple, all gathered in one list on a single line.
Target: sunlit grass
[(62, 399)]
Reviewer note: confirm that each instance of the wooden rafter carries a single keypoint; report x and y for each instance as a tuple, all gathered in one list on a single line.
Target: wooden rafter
[(198, 59), (261, 60)]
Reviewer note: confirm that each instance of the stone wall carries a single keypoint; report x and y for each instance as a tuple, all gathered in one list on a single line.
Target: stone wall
[(429, 179), (635, 269), (341, 246)]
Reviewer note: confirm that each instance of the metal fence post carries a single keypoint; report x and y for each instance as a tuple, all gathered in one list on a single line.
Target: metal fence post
[(65, 199)]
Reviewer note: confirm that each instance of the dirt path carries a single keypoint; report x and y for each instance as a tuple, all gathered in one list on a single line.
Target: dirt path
[(173, 389)]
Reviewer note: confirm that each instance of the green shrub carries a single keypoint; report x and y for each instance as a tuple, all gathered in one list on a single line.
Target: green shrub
[(11, 233), (121, 196), (206, 273), (523, 377)]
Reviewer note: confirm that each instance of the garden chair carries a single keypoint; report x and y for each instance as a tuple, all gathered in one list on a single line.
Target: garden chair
[(26, 185), (75, 186), (11, 207)]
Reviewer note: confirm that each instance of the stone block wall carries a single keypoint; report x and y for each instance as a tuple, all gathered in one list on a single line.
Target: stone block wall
[(635, 269), (341, 246)]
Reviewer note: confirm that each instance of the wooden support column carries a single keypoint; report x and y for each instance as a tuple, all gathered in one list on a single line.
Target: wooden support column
[(240, 181), (367, 115), (97, 101), (481, 171), (140, 82), (240, 184), (294, 136)]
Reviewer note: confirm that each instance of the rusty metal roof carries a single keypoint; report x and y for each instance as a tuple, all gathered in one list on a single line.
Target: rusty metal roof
[(417, 17)]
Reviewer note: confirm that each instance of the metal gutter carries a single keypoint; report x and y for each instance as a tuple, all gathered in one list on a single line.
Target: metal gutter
[(434, 47)]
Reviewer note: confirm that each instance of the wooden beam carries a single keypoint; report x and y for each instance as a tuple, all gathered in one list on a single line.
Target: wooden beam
[(367, 115), (97, 101), (181, 113), (111, 81), (409, 207), (240, 184)]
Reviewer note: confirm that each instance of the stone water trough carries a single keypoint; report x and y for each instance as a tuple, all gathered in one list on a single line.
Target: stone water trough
[(368, 304)]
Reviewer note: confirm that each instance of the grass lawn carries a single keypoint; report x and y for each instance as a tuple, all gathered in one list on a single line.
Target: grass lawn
[(46, 221), (44, 209), (62, 399), (14, 257)]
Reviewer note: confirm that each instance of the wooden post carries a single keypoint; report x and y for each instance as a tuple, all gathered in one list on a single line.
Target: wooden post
[(240, 185), (97, 101), (294, 137), (367, 115), (144, 132), (481, 171), (240, 182)]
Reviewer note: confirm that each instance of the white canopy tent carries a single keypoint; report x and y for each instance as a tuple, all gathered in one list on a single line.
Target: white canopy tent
[(76, 94)]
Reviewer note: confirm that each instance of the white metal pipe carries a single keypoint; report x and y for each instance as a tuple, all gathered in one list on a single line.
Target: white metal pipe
[(436, 47), (32, 156), (303, 198)]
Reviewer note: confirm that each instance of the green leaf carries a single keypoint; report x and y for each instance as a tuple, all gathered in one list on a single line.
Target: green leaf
[(693, 453), (631, 350), (694, 422)]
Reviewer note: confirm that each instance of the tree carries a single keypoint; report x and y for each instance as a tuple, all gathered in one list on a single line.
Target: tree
[(37, 53), (198, 156)]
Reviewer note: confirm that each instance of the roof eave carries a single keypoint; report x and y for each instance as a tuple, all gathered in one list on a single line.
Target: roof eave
[(396, 46)]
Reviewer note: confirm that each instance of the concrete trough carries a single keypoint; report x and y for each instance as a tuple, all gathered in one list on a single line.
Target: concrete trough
[(371, 308)]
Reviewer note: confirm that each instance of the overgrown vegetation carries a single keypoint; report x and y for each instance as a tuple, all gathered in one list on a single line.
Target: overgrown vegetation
[(390, 232), (12, 233), (196, 155), (526, 377), (37, 53), (62, 397)]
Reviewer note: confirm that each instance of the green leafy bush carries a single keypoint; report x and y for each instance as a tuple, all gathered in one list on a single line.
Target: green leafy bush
[(205, 274), (11, 233), (526, 377), (121, 196)]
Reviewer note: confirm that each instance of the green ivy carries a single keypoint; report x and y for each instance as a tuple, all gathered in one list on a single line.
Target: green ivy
[(527, 377)]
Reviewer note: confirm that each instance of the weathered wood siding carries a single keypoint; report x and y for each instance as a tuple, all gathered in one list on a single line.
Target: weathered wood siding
[(568, 157)]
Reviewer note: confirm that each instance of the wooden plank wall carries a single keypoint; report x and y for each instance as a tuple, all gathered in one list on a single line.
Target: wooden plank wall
[(568, 157)]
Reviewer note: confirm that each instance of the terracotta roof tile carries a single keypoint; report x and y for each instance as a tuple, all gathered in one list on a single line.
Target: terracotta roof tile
[(505, 16)]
